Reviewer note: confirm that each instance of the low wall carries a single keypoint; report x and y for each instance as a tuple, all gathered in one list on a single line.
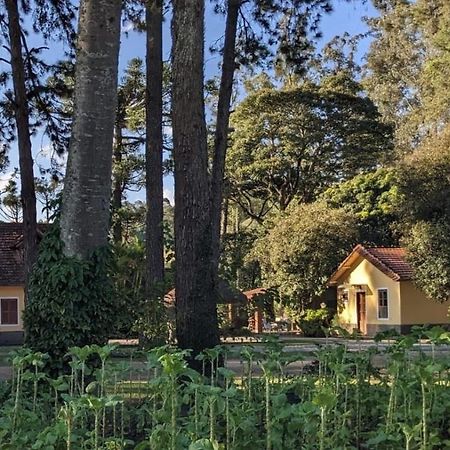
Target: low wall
[(11, 337)]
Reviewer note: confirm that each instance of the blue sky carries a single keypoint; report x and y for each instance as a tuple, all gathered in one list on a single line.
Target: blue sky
[(346, 17)]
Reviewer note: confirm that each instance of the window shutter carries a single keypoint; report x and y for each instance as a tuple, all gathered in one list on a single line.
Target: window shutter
[(9, 311)]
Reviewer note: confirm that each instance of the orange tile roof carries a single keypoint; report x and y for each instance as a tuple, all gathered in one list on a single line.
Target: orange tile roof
[(227, 295), (11, 253), (254, 293), (389, 260), (11, 260)]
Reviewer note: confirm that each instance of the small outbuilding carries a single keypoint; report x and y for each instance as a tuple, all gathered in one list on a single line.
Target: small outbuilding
[(227, 295), (376, 292), (12, 281)]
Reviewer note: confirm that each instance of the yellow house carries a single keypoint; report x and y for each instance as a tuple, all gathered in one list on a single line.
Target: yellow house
[(376, 293), (11, 283)]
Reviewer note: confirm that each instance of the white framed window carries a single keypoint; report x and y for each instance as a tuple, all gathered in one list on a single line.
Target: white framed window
[(383, 304), (9, 311)]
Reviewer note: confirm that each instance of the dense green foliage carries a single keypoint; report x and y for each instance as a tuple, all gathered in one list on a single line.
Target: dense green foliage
[(314, 322), (137, 315), (302, 249), (424, 184), (236, 266), (298, 138), (292, 143), (70, 301), (429, 254), (341, 401), (129, 283), (408, 67), (373, 199), (424, 181)]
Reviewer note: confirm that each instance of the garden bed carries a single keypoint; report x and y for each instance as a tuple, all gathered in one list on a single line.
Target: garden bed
[(338, 401)]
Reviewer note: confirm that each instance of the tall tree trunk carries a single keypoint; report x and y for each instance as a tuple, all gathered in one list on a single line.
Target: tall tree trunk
[(196, 298), (223, 120), (21, 111), (87, 186), (154, 148)]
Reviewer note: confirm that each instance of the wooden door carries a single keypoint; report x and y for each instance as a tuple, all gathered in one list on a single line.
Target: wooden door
[(361, 312)]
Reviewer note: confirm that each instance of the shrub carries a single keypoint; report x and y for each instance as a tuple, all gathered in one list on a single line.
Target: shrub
[(313, 321), (303, 248), (70, 302)]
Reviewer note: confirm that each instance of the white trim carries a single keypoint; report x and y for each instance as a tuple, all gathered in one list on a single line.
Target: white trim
[(378, 303), (18, 312)]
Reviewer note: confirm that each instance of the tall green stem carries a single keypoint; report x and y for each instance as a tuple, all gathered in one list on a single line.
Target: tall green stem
[(69, 428), (96, 430), (268, 414), (173, 415), (212, 419), (83, 370), (17, 399), (322, 428), (227, 416), (424, 416), (35, 387), (196, 413)]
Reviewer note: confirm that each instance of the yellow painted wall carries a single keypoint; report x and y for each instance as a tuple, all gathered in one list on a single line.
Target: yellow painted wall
[(366, 274), (13, 292), (416, 308)]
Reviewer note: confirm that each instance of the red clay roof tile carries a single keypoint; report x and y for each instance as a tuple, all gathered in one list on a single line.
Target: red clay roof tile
[(11, 263), (390, 260), (11, 254)]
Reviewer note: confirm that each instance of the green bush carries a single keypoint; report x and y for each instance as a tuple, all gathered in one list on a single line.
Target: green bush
[(70, 302), (313, 321)]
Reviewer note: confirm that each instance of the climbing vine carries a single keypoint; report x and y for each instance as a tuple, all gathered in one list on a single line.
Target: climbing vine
[(70, 302)]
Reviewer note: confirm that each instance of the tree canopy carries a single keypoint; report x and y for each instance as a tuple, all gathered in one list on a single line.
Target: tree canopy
[(428, 245), (407, 70), (424, 183), (424, 180), (374, 199), (294, 142), (303, 248)]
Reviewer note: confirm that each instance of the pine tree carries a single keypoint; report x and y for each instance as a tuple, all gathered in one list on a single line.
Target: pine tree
[(21, 113), (87, 186), (196, 315), (154, 149)]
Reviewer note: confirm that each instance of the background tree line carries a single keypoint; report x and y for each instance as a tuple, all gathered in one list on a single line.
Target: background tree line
[(395, 188)]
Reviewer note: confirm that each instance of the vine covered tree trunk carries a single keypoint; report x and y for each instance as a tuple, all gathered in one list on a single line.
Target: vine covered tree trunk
[(154, 149), (222, 124), (87, 186), (196, 315), (21, 112)]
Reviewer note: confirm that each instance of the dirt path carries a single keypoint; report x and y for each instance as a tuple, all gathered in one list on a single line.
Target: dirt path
[(307, 347)]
